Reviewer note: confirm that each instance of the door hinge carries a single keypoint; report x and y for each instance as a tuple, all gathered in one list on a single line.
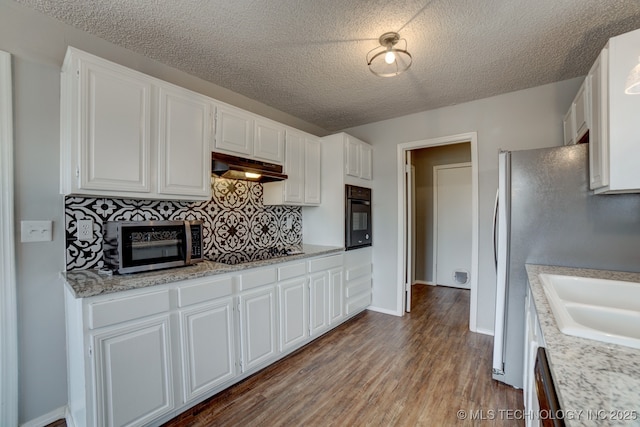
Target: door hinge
[(77, 171), (90, 351), (407, 168)]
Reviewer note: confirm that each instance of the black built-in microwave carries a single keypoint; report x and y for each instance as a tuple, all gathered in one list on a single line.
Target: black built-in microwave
[(357, 217)]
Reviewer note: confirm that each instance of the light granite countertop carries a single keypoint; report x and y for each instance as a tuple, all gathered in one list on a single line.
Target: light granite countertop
[(596, 382), (88, 283)]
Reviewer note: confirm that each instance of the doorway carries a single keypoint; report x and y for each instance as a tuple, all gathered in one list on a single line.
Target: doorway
[(406, 155)]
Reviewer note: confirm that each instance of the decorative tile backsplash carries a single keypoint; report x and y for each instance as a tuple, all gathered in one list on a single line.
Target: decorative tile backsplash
[(235, 222)]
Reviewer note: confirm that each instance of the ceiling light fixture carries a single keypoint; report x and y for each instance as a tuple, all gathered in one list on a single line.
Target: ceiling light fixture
[(387, 60), (632, 86)]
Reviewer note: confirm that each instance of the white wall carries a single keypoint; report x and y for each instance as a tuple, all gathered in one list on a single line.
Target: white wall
[(530, 118), (38, 44)]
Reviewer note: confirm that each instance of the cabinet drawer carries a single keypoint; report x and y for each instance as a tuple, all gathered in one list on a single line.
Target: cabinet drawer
[(358, 288), (359, 271), (201, 290), (358, 304), (129, 308), (326, 263), (293, 270), (257, 278)]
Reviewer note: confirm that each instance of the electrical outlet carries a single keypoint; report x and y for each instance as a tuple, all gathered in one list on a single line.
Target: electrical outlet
[(84, 229)]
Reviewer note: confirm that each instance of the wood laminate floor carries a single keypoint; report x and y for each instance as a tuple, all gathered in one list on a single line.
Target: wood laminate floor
[(423, 369)]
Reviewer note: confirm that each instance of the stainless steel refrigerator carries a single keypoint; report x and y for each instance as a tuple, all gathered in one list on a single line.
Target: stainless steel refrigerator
[(547, 215)]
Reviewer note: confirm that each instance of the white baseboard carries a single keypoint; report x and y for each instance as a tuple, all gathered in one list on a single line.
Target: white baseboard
[(422, 282), (384, 311), (484, 331), (43, 420)]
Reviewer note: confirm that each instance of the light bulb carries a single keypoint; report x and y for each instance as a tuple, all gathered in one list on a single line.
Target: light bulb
[(252, 175), (390, 57)]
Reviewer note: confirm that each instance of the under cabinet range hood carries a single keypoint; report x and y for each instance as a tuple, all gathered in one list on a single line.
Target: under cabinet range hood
[(233, 167)]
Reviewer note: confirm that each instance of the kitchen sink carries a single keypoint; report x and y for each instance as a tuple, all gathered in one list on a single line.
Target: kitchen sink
[(599, 309)]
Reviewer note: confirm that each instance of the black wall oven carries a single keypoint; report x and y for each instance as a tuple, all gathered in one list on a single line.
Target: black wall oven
[(357, 217)]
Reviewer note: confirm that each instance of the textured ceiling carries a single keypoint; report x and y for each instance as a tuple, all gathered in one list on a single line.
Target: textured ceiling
[(307, 57)]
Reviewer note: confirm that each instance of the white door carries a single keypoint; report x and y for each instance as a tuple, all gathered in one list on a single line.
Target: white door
[(452, 225)]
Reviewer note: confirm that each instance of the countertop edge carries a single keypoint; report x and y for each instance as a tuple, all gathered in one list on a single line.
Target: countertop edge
[(89, 283)]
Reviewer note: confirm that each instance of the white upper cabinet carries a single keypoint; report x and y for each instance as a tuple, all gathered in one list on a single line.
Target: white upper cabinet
[(312, 172), (358, 158), (615, 145), (243, 134), (303, 168), (106, 112), (366, 162), (269, 141), (598, 149), (184, 136), (234, 131), (569, 126), (581, 110), (126, 134)]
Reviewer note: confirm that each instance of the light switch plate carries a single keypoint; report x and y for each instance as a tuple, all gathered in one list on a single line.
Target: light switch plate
[(36, 231)]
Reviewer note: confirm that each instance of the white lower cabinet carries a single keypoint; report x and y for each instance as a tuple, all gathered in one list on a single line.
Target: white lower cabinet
[(133, 373), (294, 312), (319, 303), (325, 280), (358, 280), (336, 295), (533, 340), (141, 356), (207, 347), (258, 327)]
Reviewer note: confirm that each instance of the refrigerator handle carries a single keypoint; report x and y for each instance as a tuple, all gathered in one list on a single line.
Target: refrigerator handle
[(495, 229)]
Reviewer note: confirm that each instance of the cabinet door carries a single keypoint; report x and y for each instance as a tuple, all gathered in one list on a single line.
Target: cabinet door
[(319, 303), (115, 121), (312, 171), (598, 136), (269, 141), (184, 137), (133, 374), (234, 131), (366, 161), (294, 312), (294, 168), (336, 288), (581, 110), (258, 327), (568, 124), (208, 356), (352, 156)]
